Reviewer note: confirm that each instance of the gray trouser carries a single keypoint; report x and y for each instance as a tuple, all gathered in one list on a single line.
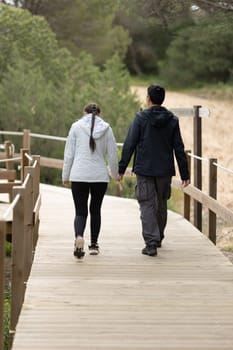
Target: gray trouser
[(152, 194)]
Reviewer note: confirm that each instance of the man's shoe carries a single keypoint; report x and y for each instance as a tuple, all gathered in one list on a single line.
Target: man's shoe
[(151, 251), (94, 249), (78, 247), (158, 244)]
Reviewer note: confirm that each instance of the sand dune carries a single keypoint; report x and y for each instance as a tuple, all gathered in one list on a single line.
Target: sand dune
[(217, 139)]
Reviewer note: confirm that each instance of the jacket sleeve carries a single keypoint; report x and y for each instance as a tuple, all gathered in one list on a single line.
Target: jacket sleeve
[(68, 155), (180, 154), (112, 154), (130, 145)]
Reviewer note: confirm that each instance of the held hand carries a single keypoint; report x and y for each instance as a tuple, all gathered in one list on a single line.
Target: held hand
[(120, 177), (66, 183), (185, 183)]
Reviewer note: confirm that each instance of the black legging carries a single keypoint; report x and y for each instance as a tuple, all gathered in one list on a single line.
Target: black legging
[(80, 192)]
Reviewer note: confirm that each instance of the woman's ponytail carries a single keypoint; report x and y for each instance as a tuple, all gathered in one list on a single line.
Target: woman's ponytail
[(94, 109), (92, 143)]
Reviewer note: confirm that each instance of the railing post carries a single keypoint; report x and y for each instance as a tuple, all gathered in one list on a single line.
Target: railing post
[(24, 162), (197, 144), (18, 254), (28, 221), (9, 165), (8, 154), (213, 194), (36, 177), (26, 139), (35, 172), (2, 280), (186, 196)]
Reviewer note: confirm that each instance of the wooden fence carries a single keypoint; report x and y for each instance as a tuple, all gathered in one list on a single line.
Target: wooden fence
[(26, 203), (192, 192), (23, 211)]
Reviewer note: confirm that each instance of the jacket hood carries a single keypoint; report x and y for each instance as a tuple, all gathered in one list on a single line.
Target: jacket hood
[(159, 116), (100, 126)]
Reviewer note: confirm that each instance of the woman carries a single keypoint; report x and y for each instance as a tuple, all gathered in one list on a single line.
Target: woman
[(89, 143)]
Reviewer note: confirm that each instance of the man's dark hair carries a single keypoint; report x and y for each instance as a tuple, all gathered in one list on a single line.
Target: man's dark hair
[(156, 94)]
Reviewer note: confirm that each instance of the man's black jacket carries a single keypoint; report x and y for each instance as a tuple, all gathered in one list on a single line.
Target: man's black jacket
[(154, 136)]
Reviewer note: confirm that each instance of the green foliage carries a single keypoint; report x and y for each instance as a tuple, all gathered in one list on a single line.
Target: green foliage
[(149, 38), (84, 26), (113, 94), (228, 248), (128, 187), (45, 89), (201, 53), (32, 38), (175, 202), (8, 247), (6, 319)]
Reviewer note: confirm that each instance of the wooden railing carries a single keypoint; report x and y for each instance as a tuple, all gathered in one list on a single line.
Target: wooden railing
[(208, 200), (194, 192), (26, 203), (24, 214)]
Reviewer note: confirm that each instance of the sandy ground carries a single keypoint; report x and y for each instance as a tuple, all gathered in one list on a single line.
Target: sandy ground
[(217, 139)]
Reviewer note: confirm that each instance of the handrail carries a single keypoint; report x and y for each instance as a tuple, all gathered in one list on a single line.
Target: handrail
[(119, 144), (10, 159), (24, 184), (48, 137), (197, 157), (214, 163), (57, 163), (206, 200), (42, 136), (5, 132), (16, 199), (28, 157), (11, 206), (223, 168)]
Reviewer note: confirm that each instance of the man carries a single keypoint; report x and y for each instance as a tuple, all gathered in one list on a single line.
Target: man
[(154, 137)]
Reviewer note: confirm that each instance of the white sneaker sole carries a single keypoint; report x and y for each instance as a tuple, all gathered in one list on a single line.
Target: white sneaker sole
[(94, 252)]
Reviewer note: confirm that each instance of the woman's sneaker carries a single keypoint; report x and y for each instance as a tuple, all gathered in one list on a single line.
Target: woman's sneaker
[(94, 249), (78, 247)]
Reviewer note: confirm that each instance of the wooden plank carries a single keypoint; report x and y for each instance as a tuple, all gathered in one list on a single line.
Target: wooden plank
[(7, 174), (6, 187), (207, 201), (51, 162), (121, 299)]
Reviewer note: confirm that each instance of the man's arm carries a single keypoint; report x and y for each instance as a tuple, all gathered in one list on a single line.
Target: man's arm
[(129, 146), (181, 157)]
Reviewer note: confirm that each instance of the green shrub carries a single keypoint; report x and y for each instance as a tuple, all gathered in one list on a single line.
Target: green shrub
[(175, 203), (8, 248), (128, 187), (200, 53), (6, 319)]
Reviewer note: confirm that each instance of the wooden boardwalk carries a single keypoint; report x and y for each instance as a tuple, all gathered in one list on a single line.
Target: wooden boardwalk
[(180, 300)]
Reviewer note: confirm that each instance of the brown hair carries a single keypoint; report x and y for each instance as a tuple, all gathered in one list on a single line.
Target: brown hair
[(95, 110)]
